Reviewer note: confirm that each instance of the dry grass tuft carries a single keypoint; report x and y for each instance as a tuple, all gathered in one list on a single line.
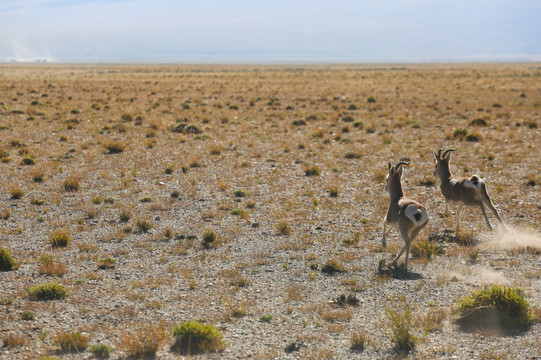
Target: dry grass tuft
[(142, 340)]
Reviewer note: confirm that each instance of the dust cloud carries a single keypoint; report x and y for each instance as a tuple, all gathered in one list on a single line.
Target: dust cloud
[(512, 238)]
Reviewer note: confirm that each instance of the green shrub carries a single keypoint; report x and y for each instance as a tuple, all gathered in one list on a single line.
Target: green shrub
[(7, 263), (496, 306), (146, 199), (425, 249), (107, 263), (399, 325), (265, 318), (193, 337), (47, 291), (60, 238), (68, 342), (28, 315), (100, 350), (240, 193)]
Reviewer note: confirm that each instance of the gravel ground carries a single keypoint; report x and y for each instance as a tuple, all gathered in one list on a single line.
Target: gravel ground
[(166, 275)]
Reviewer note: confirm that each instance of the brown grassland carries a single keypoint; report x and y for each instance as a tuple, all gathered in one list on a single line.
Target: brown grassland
[(252, 198)]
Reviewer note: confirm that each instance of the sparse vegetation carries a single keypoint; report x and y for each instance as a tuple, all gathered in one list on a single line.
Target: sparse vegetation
[(7, 263), (313, 170), (333, 266), (143, 225), (143, 340), (114, 147), (16, 193), (196, 136), (193, 337), (100, 350), (358, 340), (496, 306), (60, 238), (47, 291), (283, 228), (399, 324), (71, 341), (209, 239), (71, 184)]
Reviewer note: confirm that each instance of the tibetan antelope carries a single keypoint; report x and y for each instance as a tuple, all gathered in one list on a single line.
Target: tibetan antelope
[(470, 191), (409, 216)]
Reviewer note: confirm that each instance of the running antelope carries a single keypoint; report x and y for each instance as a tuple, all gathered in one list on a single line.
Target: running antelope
[(410, 216), (470, 191)]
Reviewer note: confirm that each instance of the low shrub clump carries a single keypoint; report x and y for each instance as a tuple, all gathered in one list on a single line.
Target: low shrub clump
[(100, 350), (313, 170), (71, 184), (47, 291), (333, 266), (60, 238), (193, 337), (143, 340), (400, 325), (496, 306), (114, 147), (240, 193), (209, 239), (7, 263), (283, 228), (143, 225), (71, 342), (16, 193), (358, 341)]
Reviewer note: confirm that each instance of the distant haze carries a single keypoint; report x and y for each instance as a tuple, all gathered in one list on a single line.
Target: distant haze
[(294, 31)]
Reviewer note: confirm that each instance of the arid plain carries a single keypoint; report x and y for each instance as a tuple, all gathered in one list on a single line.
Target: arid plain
[(252, 198)]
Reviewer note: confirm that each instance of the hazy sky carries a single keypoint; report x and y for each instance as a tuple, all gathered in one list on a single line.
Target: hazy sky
[(270, 31)]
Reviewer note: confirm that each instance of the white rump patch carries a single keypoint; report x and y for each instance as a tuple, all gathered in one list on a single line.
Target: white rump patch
[(473, 183), (416, 215)]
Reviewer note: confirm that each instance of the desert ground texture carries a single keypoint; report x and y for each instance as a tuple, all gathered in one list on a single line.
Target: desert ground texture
[(286, 165)]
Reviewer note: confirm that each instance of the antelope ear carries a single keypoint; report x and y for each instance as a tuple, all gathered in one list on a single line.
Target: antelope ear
[(389, 163), (436, 157)]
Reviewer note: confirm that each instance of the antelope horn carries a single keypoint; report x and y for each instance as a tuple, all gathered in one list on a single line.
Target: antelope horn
[(389, 163), (446, 151), (439, 153), (397, 166)]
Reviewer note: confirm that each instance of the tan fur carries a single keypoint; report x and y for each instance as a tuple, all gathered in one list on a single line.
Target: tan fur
[(469, 191), (397, 212)]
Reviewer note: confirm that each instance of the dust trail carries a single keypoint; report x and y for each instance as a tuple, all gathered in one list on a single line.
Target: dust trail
[(478, 276), (489, 276), (511, 238)]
